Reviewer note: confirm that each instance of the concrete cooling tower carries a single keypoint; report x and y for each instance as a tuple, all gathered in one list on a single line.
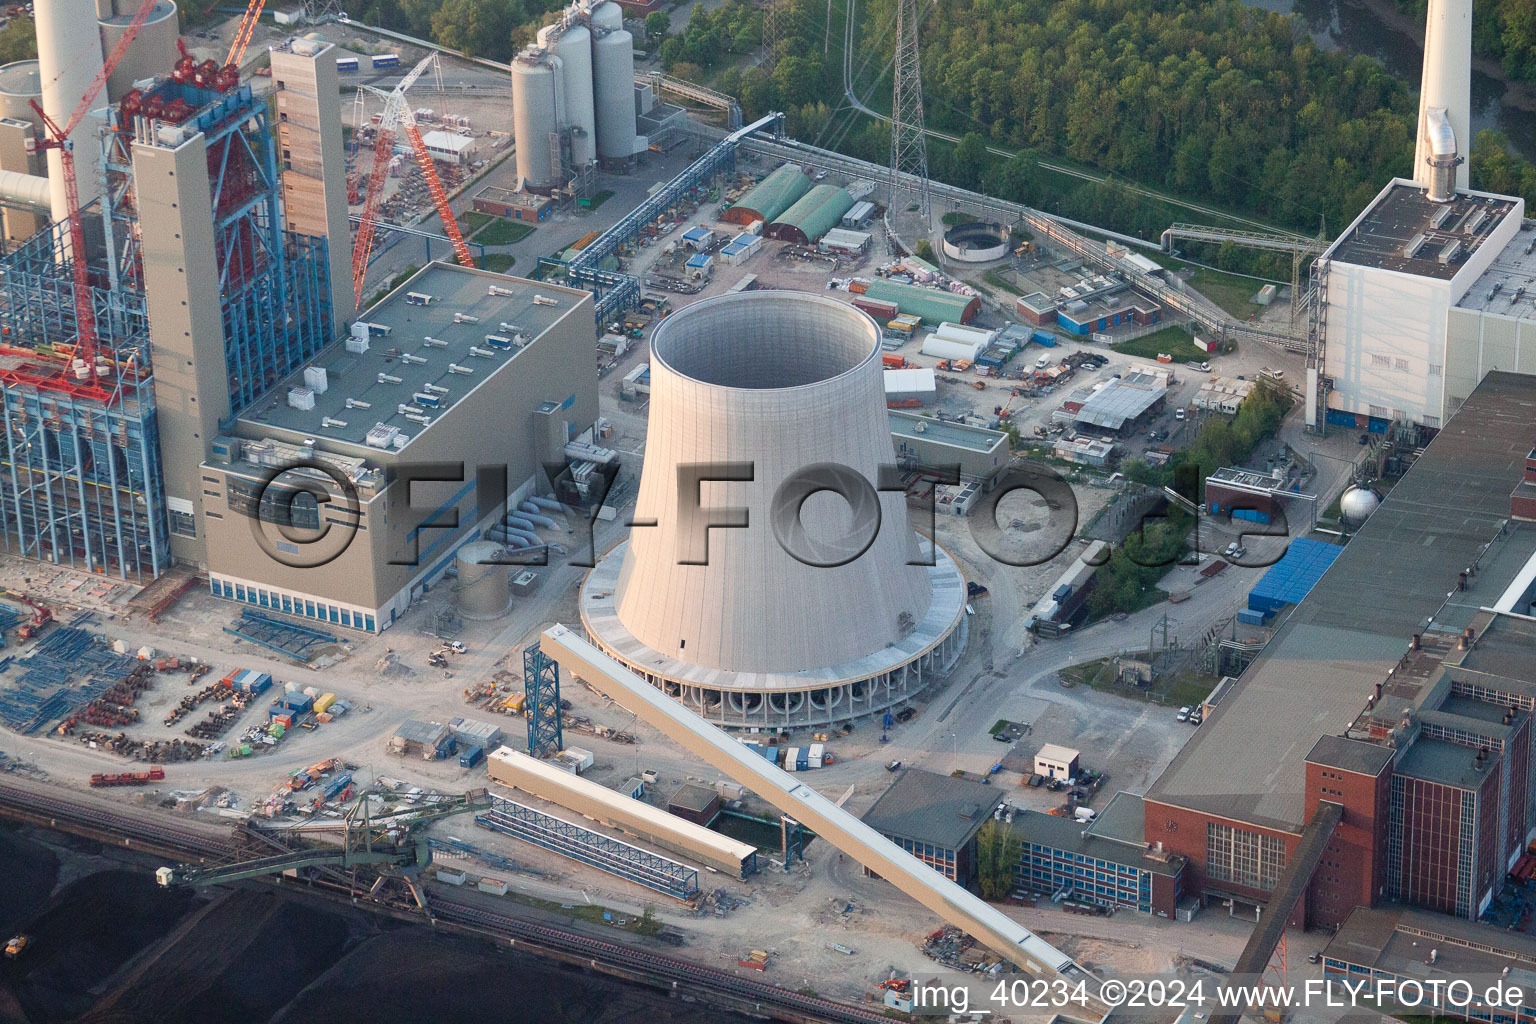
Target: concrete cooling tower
[(818, 610)]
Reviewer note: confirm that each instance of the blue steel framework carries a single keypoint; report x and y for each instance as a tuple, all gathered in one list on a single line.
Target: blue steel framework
[(541, 684), (274, 284), (616, 292), (80, 475), (600, 851)]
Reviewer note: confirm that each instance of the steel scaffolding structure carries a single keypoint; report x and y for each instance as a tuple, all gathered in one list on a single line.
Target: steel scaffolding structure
[(541, 683), (80, 473), (274, 284), (580, 843), (909, 137)]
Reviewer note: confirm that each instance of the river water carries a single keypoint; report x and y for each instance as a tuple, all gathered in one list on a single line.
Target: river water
[(1356, 27)]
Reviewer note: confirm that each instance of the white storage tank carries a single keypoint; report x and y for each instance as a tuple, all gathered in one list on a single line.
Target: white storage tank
[(536, 92), (152, 51), (68, 58), (573, 47), (613, 63), (608, 16), (20, 84), (482, 587)]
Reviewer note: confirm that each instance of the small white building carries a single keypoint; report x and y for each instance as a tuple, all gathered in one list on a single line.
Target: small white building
[(842, 242), (914, 382), (1056, 762), (740, 249), (450, 147), (1222, 394)]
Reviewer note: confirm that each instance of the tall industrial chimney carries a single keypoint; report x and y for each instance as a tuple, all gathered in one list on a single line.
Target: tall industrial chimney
[(1445, 93), (68, 61)]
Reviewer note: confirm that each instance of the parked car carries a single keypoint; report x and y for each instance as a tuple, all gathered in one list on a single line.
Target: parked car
[(457, 646), (1184, 713), (1230, 551), (894, 766), (1178, 414)]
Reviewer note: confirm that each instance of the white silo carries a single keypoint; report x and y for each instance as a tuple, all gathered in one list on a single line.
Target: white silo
[(573, 46), (608, 16), (536, 90), (820, 609), (613, 67), (152, 51), (68, 60)]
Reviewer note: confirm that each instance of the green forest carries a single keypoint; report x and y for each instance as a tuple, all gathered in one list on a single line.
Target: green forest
[(1502, 29)]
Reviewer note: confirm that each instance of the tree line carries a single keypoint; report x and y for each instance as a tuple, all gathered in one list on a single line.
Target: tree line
[(1502, 29)]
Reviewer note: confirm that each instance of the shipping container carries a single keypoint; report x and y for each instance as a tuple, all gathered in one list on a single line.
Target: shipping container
[(494, 886), (1044, 339), (471, 757), (324, 702), (877, 308), (893, 362), (345, 64), (387, 60), (451, 876)]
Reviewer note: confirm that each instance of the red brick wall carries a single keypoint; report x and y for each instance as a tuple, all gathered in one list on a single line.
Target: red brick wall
[(1353, 867), (1522, 503), (1183, 831)]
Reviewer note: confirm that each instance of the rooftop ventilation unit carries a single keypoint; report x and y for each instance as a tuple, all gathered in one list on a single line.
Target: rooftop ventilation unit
[(497, 289), (465, 318), (498, 341), (413, 359), (331, 421), (1449, 253), (424, 399), (545, 300), (405, 409), (1475, 222), (1415, 243), (1441, 216), (434, 342), (358, 403), (436, 389), (315, 379), (511, 328), (456, 368), (416, 417), (380, 435), (301, 398), (483, 353), (400, 441), (389, 378)]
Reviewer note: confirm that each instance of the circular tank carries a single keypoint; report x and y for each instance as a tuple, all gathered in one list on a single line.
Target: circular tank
[(20, 84), (482, 588), (608, 16), (534, 94), (1357, 504), (613, 65), (574, 48), (152, 52), (68, 58)]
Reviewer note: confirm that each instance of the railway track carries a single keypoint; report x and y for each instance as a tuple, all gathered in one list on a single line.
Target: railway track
[(154, 834)]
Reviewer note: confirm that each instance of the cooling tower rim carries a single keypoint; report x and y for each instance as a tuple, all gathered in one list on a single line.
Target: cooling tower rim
[(771, 298), (599, 616)]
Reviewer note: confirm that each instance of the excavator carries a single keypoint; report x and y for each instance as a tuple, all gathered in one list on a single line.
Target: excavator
[(41, 616), (393, 847)]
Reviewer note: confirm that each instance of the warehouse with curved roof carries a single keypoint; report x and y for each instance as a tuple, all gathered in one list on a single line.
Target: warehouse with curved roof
[(770, 197), (817, 212)]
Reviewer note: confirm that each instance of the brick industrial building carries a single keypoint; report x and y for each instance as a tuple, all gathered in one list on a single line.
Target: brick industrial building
[(1397, 697)]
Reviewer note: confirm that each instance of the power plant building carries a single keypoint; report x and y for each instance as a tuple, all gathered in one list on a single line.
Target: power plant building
[(419, 390), (787, 620)]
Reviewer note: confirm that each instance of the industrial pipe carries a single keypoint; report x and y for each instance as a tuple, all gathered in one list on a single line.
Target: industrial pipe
[(549, 504), (31, 190), (531, 511), (520, 523), (530, 538)]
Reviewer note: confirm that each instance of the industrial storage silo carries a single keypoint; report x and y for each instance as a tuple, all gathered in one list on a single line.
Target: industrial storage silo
[(613, 67), (573, 46), (482, 589), (20, 84), (608, 16), (152, 51), (536, 98)]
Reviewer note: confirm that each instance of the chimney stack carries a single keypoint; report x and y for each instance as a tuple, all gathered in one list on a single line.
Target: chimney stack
[(1445, 97)]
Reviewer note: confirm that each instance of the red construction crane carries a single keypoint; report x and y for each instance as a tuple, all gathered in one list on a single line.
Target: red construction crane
[(229, 76), (58, 138), (398, 116)]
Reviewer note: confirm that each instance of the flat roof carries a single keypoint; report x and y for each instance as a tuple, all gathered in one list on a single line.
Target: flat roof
[(1391, 581), (1351, 755), (1508, 286), (1397, 940), (1402, 216), (452, 141), (937, 431), (1449, 764), (1056, 752), (937, 809), (1073, 837), (356, 376), (1503, 648), (913, 378)]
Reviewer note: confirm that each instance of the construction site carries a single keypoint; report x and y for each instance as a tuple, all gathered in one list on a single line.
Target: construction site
[(348, 385)]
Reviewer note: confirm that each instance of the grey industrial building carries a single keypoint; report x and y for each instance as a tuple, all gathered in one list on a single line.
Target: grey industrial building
[(430, 391), (935, 818)]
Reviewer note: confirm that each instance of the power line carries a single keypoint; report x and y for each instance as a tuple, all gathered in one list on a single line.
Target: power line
[(909, 140)]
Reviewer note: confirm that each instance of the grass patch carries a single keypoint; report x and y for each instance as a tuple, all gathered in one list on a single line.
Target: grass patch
[(1228, 291), (995, 277), (503, 232), (498, 262), (601, 198), (955, 217), (998, 726), (1187, 687), (1176, 341), (640, 925), (474, 220)]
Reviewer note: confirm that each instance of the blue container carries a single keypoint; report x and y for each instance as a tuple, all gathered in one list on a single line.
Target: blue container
[(337, 785), (471, 757), (1044, 339), (298, 701), (1062, 592)]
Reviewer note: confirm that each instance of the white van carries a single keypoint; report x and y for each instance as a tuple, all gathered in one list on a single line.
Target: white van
[(1042, 362)]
